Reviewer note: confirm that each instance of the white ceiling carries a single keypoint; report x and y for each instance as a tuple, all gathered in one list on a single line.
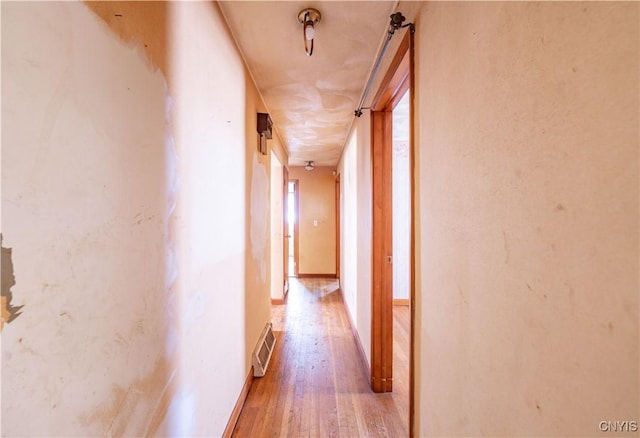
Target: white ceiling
[(311, 100)]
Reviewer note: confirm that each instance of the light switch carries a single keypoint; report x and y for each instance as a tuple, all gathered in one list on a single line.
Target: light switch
[(315, 222)]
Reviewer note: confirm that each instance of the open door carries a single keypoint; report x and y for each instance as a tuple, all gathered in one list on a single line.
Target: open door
[(293, 202), (286, 234)]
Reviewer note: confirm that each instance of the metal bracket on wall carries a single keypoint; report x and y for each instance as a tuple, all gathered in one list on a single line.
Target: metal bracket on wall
[(396, 23)]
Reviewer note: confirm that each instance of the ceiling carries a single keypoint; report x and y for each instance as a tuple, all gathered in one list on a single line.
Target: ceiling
[(311, 100)]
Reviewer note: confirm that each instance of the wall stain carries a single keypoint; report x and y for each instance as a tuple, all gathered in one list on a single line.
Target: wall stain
[(506, 248), (65, 314), (560, 207), (8, 310), (462, 295), (147, 397), (140, 218)]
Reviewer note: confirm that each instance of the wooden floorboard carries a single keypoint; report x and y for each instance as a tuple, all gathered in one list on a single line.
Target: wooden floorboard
[(315, 385)]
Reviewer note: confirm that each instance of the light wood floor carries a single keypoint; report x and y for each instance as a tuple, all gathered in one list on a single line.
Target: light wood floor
[(315, 385)]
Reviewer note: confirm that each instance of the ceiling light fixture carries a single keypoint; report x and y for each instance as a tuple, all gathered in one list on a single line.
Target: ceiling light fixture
[(308, 165), (309, 18)]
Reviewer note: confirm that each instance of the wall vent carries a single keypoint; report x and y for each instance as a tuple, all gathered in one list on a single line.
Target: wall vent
[(263, 351)]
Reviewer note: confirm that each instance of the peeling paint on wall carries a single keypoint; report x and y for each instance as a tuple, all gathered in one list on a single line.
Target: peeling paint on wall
[(259, 216), (9, 311)]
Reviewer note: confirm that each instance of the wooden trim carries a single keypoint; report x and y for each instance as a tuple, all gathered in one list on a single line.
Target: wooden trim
[(395, 79), (285, 230), (316, 276), (377, 252), (398, 301), (382, 250), (237, 409), (412, 230), (278, 301), (338, 226), (356, 337)]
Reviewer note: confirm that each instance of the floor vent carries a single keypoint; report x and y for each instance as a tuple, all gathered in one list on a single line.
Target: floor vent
[(264, 350)]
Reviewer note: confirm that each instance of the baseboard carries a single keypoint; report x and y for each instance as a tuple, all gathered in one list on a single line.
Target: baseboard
[(235, 414), (277, 300), (401, 301), (356, 337), (316, 275)]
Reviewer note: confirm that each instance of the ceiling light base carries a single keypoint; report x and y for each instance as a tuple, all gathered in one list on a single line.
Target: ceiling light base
[(314, 16)]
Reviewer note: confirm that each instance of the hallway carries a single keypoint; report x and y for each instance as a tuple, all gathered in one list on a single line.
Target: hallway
[(146, 148), (315, 384)]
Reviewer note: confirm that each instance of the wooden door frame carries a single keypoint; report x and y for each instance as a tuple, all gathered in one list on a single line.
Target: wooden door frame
[(338, 226), (381, 253), (285, 223), (397, 81)]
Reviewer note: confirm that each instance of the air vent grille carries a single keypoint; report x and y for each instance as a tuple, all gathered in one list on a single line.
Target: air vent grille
[(263, 351)]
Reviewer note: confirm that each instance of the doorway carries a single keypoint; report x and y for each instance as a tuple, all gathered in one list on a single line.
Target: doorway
[(277, 212), (292, 232), (401, 238), (396, 88)]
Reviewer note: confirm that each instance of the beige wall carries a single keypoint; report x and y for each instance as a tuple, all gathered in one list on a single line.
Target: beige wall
[(527, 310), (349, 225), (355, 238), (277, 229), (88, 191), (317, 244), (144, 279)]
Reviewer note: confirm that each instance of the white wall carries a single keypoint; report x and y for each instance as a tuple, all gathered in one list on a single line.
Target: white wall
[(401, 201), (349, 226), (364, 230), (528, 127), (208, 120), (132, 200), (355, 270)]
